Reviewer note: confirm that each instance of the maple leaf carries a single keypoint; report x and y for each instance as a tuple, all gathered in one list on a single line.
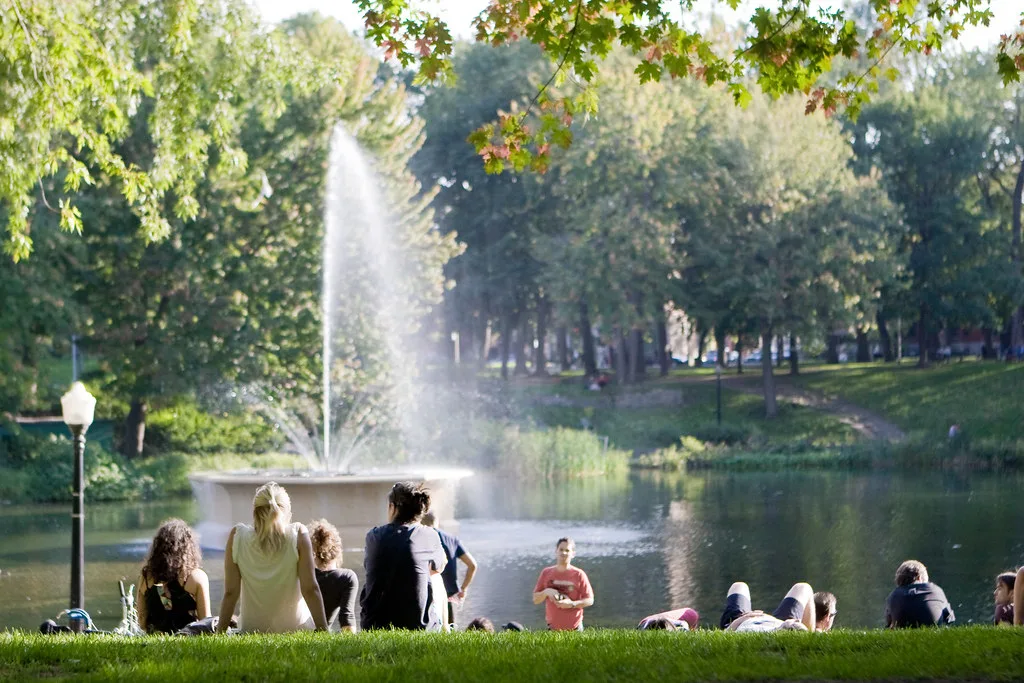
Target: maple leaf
[(423, 45)]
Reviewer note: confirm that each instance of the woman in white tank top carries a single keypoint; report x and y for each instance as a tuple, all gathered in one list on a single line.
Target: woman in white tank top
[(270, 566)]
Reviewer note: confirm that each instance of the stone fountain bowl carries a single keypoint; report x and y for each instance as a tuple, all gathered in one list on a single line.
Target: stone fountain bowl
[(355, 503)]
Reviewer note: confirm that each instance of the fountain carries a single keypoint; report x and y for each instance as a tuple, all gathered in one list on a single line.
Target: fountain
[(369, 399)]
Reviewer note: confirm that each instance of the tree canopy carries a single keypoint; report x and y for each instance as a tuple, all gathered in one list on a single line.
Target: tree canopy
[(787, 49)]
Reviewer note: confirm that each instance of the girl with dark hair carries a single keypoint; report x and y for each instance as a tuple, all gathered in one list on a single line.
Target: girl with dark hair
[(172, 590), (400, 559)]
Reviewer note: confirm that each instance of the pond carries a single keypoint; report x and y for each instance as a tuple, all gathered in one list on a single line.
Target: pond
[(648, 541)]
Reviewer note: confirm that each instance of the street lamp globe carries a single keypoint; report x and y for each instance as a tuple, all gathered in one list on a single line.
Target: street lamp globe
[(78, 406)]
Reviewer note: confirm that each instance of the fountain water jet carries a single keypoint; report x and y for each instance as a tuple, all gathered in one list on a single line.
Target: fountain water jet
[(368, 366)]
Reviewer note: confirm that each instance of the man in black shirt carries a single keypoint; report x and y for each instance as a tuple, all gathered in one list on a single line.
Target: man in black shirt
[(916, 602), (453, 550)]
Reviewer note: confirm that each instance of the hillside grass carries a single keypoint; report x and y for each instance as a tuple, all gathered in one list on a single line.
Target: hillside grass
[(986, 398), (975, 654)]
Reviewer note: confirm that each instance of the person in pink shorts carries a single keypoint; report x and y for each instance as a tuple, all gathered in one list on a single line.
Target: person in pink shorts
[(565, 590)]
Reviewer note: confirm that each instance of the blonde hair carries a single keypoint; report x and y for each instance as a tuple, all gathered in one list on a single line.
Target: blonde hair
[(271, 513)]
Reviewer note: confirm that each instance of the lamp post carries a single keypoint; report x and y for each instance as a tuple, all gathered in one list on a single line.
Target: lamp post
[(718, 391), (77, 407)]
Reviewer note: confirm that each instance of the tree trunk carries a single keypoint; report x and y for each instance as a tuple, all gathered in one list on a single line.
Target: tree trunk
[(522, 345), (562, 347), (135, 428), (922, 337), (622, 366), (863, 348), (771, 408), (505, 343), (988, 351), (739, 355), (702, 340), (883, 336), (720, 343), (1016, 333), (664, 357), (587, 335), (540, 361), (794, 357), (832, 351), (637, 355), (485, 345)]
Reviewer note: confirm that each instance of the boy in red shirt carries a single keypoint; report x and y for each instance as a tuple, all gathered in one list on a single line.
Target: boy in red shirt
[(565, 590)]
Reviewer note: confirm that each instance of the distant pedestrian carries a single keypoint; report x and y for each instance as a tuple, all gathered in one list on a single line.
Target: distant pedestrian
[(565, 590)]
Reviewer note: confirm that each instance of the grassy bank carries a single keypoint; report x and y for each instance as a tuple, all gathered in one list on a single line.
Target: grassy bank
[(976, 654), (985, 398)]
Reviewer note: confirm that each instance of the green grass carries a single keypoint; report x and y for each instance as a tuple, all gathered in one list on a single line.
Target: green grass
[(647, 428), (975, 654), (985, 398)]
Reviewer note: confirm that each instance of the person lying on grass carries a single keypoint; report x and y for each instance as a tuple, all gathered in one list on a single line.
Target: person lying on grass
[(565, 590), (684, 619), (172, 590), (796, 612), (269, 565)]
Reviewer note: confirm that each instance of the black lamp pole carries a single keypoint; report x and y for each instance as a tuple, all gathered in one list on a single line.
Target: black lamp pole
[(718, 393), (78, 526)]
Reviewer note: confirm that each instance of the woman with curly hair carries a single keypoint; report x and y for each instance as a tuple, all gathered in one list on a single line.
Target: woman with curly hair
[(172, 590), (338, 586)]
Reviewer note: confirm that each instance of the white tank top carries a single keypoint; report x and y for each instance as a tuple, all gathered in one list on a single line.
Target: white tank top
[(271, 599)]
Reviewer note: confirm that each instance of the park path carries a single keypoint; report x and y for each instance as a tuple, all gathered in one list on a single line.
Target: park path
[(865, 422)]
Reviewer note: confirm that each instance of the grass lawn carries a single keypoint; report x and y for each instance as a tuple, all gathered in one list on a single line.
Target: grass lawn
[(985, 398), (642, 428), (975, 654)]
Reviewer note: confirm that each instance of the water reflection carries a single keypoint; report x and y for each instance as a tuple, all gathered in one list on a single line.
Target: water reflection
[(648, 541)]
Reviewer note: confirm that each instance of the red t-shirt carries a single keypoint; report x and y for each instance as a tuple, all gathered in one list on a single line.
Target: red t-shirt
[(571, 582)]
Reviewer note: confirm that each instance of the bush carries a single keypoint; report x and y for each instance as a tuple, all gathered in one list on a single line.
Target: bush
[(184, 426), (676, 457), (556, 453), (727, 434)]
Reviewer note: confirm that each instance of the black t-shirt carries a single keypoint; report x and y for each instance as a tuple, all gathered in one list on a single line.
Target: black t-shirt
[(452, 550), (339, 588), (398, 561), (919, 604)]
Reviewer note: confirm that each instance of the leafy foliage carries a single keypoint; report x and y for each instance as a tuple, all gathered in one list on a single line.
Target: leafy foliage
[(789, 49)]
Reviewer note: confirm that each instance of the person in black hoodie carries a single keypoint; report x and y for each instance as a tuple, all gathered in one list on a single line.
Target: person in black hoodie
[(916, 601)]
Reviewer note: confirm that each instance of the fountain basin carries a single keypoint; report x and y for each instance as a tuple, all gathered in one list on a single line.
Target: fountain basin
[(355, 503)]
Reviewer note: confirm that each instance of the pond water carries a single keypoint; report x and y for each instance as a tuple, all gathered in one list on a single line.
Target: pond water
[(648, 541)]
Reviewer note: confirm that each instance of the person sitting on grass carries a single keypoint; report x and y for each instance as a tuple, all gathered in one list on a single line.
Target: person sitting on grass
[(1003, 595), (915, 601), (270, 566), (401, 559), (794, 613), (684, 619), (338, 586), (565, 590), (172, 590), (480, 624)]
